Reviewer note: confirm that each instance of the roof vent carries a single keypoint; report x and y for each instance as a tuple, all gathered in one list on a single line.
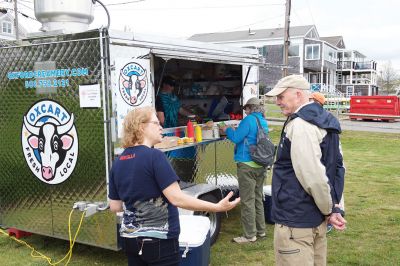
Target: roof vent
[(70, 16), (251, 32)]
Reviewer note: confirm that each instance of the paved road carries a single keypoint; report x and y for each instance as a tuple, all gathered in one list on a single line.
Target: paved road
[(373, 126)]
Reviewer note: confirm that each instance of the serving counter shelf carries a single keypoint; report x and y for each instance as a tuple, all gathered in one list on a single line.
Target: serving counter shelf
[(118, 151), (204, 142), (173, 130)]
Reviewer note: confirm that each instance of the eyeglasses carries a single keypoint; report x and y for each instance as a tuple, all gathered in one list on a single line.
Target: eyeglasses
[(157, 123), (244, 107)]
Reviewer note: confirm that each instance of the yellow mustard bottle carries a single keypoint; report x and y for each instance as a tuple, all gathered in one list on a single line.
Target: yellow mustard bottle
[(198, 134)]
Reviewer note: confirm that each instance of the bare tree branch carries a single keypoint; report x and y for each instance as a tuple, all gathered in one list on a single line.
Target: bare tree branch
[(388, 78)]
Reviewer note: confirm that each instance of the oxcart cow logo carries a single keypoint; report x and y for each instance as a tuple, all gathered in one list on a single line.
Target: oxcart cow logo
[(49, 141), (133, 84)]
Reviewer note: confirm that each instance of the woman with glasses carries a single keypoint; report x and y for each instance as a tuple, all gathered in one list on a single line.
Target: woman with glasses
[(145, 188), (250, 174)]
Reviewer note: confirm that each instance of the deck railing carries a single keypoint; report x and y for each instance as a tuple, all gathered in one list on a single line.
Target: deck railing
[(356, 65)]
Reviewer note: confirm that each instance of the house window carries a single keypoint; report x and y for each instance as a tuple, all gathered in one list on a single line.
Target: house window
[(330, 54), (293, 50), (312, 52), (6, 27)]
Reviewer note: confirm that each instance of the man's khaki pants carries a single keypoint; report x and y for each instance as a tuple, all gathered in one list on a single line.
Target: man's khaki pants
[(300, 246)]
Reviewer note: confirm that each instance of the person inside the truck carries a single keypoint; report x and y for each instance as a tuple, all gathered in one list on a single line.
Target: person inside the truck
[(145, 188), (168, 105), (218, 108)]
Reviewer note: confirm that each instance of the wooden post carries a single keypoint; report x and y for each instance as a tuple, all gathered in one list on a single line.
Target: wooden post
[(286, 39), (16, 20)]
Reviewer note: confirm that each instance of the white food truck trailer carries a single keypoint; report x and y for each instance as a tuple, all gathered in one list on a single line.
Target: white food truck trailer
[(63, 98)]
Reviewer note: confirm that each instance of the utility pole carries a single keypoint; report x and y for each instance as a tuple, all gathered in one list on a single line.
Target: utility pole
[(16, 20), (286, 39)]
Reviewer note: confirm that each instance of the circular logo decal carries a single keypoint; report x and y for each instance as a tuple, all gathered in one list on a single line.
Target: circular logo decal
[(49, 141), (133, 84)]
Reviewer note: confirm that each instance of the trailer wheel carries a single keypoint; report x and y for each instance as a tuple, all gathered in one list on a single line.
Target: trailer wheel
[(215, 217)]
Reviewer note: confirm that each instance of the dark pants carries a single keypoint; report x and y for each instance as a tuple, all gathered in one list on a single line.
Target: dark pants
[(152, 251)]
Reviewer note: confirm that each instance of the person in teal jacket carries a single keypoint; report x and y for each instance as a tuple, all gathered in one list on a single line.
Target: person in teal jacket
[(250, 175)]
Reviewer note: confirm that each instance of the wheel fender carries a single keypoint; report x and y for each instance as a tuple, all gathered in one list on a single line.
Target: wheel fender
[(199, 190)]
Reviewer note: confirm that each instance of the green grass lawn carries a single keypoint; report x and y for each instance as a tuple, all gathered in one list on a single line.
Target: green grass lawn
[(273, 111), (372, 237)]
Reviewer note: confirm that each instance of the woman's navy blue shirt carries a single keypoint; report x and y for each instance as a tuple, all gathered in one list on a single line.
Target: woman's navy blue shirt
[(138, 177)]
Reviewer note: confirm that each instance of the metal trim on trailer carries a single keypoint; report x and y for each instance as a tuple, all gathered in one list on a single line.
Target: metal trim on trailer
[(169, 48), (105, 106), (44, 43)]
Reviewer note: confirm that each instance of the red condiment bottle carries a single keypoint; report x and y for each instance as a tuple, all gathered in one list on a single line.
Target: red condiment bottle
[(190, 129)]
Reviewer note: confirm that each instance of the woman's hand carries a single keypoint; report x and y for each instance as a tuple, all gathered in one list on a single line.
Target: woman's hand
[(226, 205), (180, 199)]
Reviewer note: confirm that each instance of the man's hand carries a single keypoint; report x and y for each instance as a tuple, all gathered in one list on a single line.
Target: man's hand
[(338, 222)]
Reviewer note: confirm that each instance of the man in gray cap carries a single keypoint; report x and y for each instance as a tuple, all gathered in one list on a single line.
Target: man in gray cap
[(308, 176)]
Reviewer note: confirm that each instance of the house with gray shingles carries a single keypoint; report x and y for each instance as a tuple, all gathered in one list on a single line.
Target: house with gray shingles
[(320, 60), (355, 74)]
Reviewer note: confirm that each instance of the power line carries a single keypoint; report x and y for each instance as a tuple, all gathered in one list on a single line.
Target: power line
[(257, 22), (19, 2), (201, 7), (25, 1), (125, 3), (309, 10), (21, 13)]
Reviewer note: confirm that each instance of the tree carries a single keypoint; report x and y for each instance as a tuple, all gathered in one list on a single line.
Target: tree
[(388, 79)]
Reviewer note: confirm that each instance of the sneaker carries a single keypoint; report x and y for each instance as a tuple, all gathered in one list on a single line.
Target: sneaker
[(262, 235), (243, 239)]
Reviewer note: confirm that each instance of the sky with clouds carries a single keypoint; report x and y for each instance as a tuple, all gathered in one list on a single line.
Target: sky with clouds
[(371, 27)]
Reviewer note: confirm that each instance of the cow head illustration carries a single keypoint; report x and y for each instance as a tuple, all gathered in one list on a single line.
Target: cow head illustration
[(133, 87), (52, 143)]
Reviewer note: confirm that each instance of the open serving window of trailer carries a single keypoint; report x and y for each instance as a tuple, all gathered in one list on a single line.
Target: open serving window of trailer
[(71, 92)]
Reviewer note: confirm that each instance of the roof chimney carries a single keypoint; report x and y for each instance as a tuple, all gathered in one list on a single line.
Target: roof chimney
[(251, 32)]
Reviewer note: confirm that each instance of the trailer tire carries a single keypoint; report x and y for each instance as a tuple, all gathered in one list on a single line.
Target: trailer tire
[(215, 217)]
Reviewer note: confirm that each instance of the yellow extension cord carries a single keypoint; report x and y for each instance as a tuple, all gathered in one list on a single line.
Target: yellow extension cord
[(42, 256)]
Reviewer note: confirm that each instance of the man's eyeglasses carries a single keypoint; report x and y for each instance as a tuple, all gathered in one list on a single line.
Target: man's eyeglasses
[(244, 107), (157, 123)]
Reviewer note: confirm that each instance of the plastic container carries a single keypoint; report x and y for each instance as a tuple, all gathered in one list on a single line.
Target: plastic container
[(216, 131), (194, 240), (178, 132), (190, 129), (198, 134)]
